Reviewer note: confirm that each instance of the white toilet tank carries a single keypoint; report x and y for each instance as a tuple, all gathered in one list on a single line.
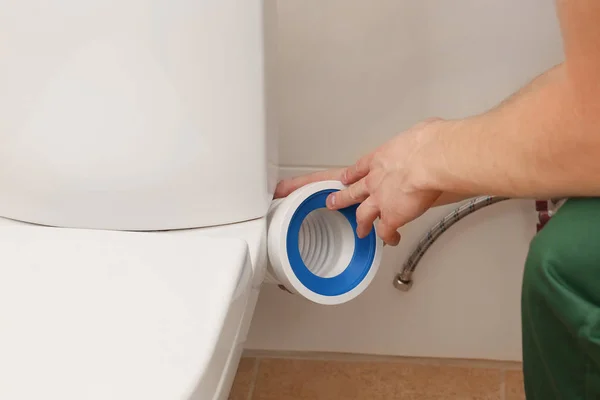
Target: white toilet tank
[(134, 114)]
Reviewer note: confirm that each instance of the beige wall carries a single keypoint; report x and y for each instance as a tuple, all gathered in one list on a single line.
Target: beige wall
[(352, 73)]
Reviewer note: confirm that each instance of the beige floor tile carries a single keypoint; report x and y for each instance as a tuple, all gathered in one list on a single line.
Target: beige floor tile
[(243, 379), (514, 385), (330, 380), (324, 380), (420, 382)]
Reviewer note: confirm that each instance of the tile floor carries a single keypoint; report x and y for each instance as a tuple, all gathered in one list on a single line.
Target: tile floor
[(261, 378)]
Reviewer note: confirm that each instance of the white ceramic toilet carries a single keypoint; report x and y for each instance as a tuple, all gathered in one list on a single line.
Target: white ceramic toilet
[(120, 315), (137, 166)]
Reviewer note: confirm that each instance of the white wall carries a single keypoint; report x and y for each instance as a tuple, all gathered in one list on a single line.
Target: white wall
[(352, 73)]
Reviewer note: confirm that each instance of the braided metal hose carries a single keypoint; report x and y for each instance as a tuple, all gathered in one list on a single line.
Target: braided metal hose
[(403, 280)]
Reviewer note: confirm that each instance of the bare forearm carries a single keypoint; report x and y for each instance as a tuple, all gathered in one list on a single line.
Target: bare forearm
[(542, 142)]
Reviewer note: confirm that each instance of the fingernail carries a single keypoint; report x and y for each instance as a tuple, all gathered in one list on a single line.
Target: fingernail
[(331, 201)]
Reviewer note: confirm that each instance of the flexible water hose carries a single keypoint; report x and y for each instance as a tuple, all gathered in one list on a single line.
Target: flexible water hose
[(404, 281)]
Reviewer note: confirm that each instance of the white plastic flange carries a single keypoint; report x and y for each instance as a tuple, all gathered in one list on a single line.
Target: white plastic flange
[(314, 252)]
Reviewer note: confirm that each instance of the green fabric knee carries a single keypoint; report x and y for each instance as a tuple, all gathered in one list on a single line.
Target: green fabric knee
[(561, 306)]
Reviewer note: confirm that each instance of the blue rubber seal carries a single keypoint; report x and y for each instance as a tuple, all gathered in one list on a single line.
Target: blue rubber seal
[(357, 269)]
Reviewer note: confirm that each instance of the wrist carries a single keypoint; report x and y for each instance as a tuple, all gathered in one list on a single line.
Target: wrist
[(429, 165)]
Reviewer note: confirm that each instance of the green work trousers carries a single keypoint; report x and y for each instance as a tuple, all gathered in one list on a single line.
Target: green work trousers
[(560, 306)]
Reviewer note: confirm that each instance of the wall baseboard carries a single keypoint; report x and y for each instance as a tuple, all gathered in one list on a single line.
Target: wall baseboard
[(324, 356)]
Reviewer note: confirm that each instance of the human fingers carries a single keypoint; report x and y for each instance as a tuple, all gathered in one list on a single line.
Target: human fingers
[(359, 170), (388, 233), (354, 194), (287, 186), (366, 214)]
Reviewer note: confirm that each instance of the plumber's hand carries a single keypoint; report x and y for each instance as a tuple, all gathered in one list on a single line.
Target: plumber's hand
[(287, 186), (384, 181)]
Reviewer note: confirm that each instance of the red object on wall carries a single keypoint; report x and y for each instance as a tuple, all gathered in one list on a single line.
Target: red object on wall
[(541, 206)]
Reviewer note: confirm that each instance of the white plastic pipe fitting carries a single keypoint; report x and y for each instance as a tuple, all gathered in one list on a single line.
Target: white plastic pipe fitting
[(315, 252)]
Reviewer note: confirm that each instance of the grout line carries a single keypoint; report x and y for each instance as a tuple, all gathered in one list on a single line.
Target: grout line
[(323, 356), (503, 385), (254, 378)]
